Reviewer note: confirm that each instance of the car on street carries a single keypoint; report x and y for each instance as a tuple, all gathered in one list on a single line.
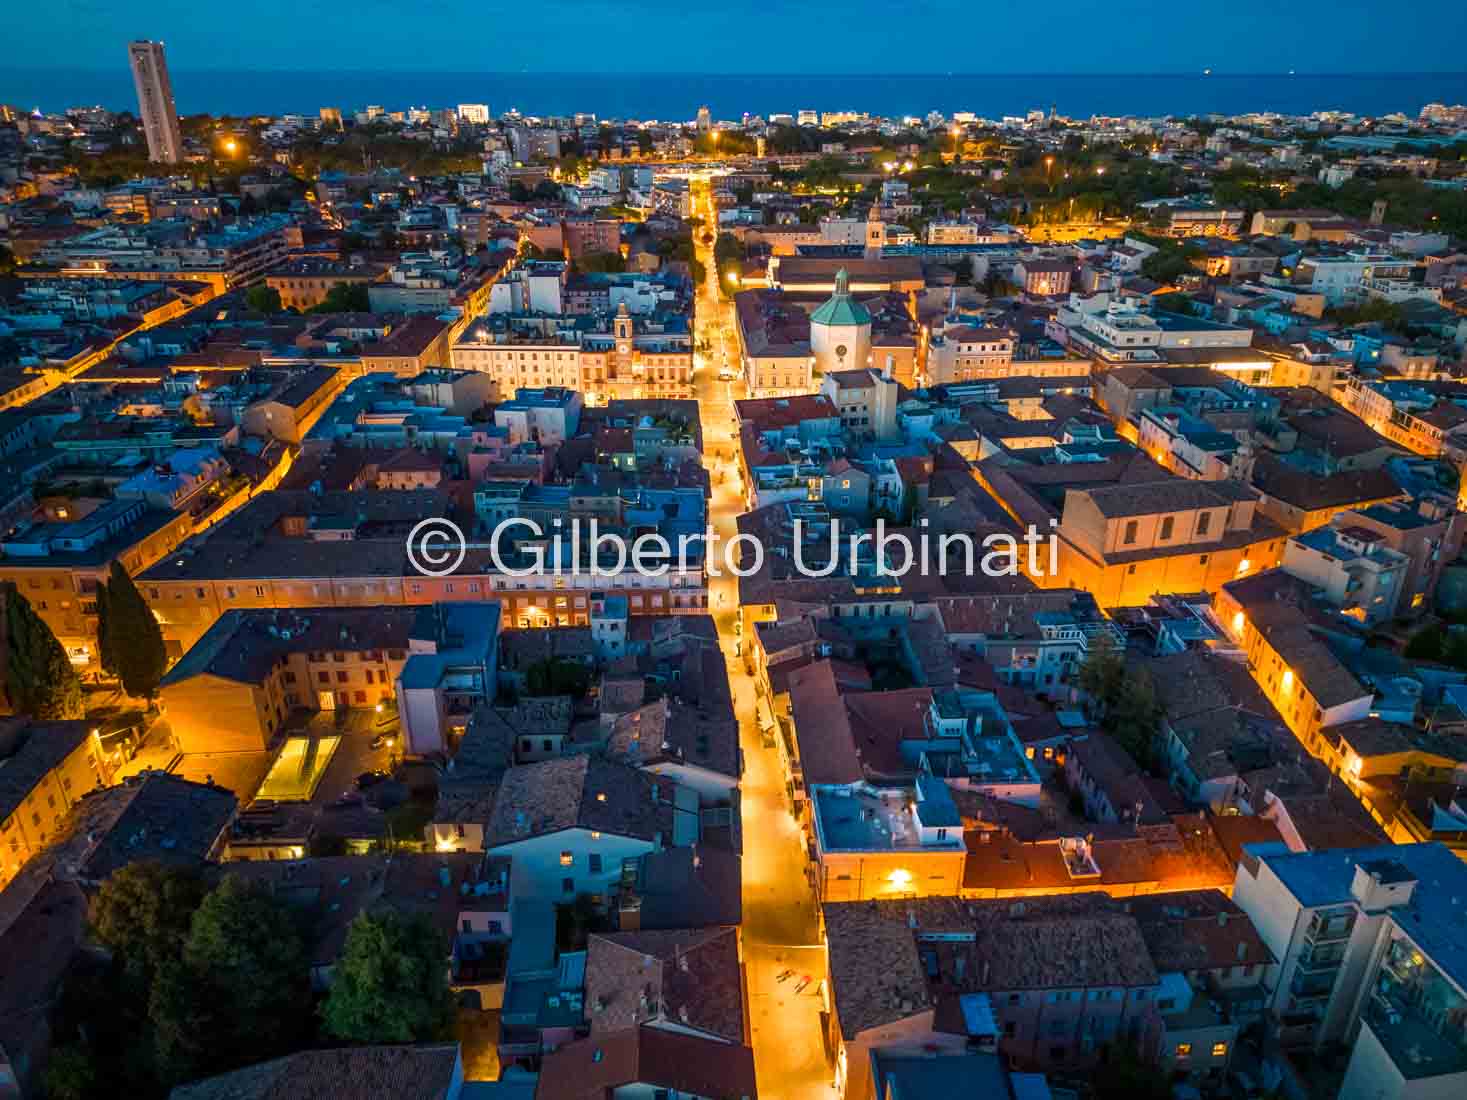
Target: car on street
[(371, 779)]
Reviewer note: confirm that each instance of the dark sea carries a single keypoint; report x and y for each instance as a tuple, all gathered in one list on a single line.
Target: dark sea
[(677, 97)]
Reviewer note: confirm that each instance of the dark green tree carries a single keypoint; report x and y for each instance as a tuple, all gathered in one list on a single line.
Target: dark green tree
[(1124, 699), (143, 914), (556, 676), (240, 991), (263, 299), (344, 298), (104, 647), (1123, 1075), (39, 679), (71, 1073), (601, 262), (391, 984), (7, 260), (134, 638)]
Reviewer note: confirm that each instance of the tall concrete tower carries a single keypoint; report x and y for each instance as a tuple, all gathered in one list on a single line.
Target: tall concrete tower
[(155, 101)]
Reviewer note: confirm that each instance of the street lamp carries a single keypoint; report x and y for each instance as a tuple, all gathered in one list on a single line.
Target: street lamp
[(1048, 164)]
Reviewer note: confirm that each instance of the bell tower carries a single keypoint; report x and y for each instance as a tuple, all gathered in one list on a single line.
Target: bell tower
[(875, 230)]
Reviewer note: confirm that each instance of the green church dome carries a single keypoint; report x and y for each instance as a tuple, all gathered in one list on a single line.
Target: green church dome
[(841, 309)]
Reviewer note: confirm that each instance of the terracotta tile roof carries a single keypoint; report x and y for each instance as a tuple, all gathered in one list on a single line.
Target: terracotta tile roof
[(352, 1073), (1154, 497), (580, 792), (593, 1068), (827, 746), (1189, 930), (880, 721), (1307, 491), (680, 977)]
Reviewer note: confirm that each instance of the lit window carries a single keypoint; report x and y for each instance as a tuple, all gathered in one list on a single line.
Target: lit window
[(1184, 1050), (566, 859), (1243, 566), (1219, 1050)]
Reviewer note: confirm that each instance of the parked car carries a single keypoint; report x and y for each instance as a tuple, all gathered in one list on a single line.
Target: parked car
[(371, 779)]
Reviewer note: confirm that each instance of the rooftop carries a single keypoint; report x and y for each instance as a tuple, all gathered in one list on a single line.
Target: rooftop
[(1436, 915), (349, 1073)]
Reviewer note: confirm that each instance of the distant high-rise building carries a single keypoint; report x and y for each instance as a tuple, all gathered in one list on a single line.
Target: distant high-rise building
[(809, 118), (476, 113), (705, 119), (155, 101)]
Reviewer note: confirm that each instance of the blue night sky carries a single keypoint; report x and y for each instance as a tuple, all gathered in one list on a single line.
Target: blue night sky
[(749, 36)]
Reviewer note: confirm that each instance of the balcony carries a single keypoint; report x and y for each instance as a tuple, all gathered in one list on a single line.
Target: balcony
[(1331, 927), (1321, 959), (1306, 985)]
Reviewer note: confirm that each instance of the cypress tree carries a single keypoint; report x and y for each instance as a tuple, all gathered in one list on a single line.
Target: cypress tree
[(39, 679), (134, 640), (104, 647)]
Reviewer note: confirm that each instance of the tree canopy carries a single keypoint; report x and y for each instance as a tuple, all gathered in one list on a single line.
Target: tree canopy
[(345, 298), (1124, 699), (391, 983), (263, 299), (39, 678), (143, 914), (134, 638), (239, 993)]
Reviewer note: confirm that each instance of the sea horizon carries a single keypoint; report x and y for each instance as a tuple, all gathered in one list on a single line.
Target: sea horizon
[(677, 96)]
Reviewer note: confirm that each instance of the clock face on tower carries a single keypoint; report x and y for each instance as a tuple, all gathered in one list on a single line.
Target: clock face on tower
[(840, 351)]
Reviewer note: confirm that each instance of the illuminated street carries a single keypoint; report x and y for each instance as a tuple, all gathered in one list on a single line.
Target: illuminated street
[(780, 926)]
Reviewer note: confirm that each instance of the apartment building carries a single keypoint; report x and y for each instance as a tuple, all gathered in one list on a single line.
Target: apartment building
[(451, 670), (576, 825), (547, 416), (1352, 567), (1371, 955), (1060, 977), (1428, 532), (1409, 416), (57, 562), (235, 255), (155, 101), (45, 769), (964, 353), (303, 284), (774, 344), (289, 550), (1308, 685), (234, 688)]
